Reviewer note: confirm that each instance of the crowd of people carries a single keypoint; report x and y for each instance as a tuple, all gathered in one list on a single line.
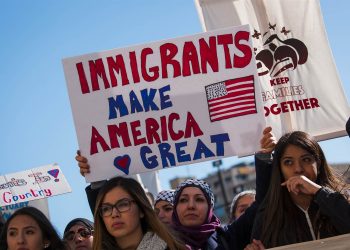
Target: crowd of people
[(298, 198)]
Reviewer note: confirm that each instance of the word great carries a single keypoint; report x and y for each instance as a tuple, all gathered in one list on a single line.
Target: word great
[(171, 155), (166, 61)]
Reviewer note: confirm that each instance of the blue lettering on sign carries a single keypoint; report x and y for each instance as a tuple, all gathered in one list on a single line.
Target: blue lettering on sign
[(150, 162), (219, 139), (148, 99), (164, 149), (181, 154), (165, 101), (117, 105), (202, 149), (134, 102), (170, 156)]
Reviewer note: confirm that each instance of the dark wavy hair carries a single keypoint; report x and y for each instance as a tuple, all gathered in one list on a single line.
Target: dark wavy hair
[(48, 231), (150, 221), (279, 211)]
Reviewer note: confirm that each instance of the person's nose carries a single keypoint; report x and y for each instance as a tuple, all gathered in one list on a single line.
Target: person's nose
[(78, 237), (115, 212), (298, 168), (191, 203), (20, 239), (161, 214)]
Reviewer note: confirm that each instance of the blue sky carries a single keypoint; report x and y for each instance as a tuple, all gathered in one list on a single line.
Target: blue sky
[(36, 120)]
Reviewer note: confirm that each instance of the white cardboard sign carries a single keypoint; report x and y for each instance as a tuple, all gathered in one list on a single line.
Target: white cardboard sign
[(41, 204), (166, 103), (36, 183)]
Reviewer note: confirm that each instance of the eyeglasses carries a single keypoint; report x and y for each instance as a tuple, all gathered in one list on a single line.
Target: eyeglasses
[(82, 232), (121, 206)]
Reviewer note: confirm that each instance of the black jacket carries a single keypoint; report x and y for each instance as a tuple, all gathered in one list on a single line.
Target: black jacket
[(237, 235), (92, 192), (334, 212)]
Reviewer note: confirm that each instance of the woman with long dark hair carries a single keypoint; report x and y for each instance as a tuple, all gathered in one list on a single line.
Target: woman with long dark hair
[(28, 228), (306, 200), (124, 219)]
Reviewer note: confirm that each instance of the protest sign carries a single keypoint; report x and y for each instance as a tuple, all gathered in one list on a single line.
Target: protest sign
[(301, 89), (41, 204), (166, 103), (36, 183)]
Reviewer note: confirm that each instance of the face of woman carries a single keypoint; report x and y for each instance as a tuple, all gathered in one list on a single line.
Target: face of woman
[(24, 233), (126, 225), (164, 211), (243, 203), (79, 237), (297, 161), (192, 208)]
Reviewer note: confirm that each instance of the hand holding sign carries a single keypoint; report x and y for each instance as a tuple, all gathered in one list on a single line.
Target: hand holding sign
[(268, 141), (84, 167)]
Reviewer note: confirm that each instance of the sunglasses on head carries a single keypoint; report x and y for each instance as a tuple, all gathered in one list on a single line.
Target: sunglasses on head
[(82, 232)]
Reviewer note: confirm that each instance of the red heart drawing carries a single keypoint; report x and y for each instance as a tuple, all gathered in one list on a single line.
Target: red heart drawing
[(122, 163)]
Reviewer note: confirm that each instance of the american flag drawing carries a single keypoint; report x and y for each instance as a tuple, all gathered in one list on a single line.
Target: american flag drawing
[(231, 98)]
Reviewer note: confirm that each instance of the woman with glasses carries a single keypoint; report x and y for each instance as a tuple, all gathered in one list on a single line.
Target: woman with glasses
[(78, 234), (29, 229), (305, 201), (124, 219)]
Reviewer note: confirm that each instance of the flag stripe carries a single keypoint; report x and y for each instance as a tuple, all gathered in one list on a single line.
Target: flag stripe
[(230, 105), (234, 94), (241, 86), (241, 79), (249, 96), (235, 115), (217, 113), (232, 99)]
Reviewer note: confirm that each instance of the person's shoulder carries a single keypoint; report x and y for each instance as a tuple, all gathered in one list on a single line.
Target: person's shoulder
[(212, 241), (218, 240)]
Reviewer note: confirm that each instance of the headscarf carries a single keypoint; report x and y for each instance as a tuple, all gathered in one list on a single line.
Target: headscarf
[(165, 195), (85, 222), (234, 204), (196, 237)]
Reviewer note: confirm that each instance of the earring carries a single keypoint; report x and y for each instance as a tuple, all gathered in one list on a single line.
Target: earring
[(46, 245)]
